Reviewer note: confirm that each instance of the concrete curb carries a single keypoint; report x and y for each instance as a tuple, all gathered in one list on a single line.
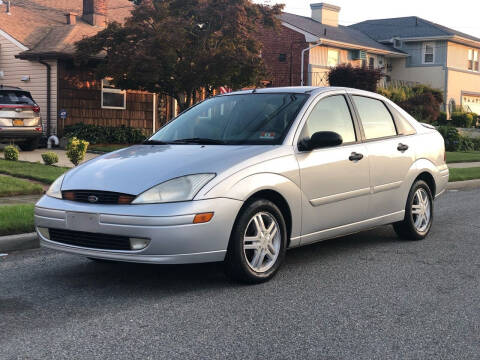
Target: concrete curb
[(468, 184), (19, 242)]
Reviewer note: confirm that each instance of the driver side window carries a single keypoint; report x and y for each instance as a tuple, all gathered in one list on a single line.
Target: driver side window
[(330, 114)]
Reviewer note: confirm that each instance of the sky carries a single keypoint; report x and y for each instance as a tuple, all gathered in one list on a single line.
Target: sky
[(462, 15)]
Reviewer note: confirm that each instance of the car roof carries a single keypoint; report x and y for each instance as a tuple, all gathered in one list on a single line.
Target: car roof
[(292, 89), (3, 87)]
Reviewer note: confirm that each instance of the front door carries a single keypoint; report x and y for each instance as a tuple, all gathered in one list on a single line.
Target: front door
[(335, 181)]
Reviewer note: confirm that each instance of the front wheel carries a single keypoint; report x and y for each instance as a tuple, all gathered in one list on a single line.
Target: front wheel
[(257, 243), (418, 213)]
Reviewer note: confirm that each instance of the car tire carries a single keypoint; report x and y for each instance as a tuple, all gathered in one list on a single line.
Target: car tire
[(257, 243), (418, 213), (29, 145)]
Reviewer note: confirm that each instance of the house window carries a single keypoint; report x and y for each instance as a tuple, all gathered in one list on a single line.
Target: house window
[(282, 57), (473, 60), (428, 53), (371, 63), (113, 98), (397, 43), (333, 57)]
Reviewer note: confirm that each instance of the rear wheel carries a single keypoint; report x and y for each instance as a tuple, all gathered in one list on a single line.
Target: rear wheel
[(29, 145), (418, 213), (257, 244)]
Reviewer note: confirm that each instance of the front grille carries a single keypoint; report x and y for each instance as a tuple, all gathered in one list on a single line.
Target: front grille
[(90, 240), (102, 197)]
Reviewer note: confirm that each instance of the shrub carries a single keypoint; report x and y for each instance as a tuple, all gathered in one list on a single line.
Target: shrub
[(76, 150), (442, 118), (451, 136), (421, 101), (362, 78), (50, 158), (465, 144), (462, 119), (96, 134), (476, 144), (10, 153)]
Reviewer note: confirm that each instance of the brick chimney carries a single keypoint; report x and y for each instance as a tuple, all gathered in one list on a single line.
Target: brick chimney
[(325, 13), (95, 12), (71, 18)]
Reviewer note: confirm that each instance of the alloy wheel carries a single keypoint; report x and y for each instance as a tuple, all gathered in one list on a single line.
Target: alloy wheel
[(421, 210), (262, 241)]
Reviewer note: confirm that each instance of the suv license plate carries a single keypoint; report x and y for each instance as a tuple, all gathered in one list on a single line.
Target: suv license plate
[(17, 122)]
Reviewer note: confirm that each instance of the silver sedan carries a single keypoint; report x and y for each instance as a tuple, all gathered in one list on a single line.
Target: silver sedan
[(240, 178)]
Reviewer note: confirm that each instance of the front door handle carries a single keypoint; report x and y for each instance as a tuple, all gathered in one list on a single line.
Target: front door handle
[(402, 147), (355, 156)]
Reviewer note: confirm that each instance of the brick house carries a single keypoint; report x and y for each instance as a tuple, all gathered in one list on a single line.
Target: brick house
[(37, 40), (324, 44), (409, 50)]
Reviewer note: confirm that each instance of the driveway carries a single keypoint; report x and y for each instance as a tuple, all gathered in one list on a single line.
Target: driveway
[(364, 296), (36, 156)]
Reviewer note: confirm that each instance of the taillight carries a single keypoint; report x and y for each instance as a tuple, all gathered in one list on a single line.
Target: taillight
[(36, 109)]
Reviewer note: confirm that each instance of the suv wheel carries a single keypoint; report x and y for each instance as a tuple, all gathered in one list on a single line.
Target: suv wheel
[(29, 145), (257, 244), (418, 213)]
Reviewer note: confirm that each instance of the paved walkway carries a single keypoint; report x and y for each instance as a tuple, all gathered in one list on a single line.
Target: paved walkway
[(36, 156), (21, 199), (464, 165)]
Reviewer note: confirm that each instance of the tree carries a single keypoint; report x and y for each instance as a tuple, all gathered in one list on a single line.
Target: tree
[(179, 47), (362, 78)]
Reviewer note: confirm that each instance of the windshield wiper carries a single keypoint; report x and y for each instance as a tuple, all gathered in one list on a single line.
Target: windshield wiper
[(200, 141), (155, 142)]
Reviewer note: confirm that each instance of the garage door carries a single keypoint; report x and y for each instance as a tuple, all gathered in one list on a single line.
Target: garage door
[(472, 101)]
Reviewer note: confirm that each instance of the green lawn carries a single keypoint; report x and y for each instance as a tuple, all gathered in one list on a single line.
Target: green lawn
[(464, 174), (35, 171), (107, 148), (16, 219), (12, 186), (456, 157)]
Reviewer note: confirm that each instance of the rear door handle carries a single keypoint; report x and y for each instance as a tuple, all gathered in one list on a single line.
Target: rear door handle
[(355, 156), (402, 147)]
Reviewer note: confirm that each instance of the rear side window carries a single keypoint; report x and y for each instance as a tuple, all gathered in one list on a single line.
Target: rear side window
[(376, 119), (330, 114), (12, 97)]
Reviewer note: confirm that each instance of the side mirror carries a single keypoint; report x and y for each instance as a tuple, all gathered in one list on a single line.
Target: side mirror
[(321, 139)]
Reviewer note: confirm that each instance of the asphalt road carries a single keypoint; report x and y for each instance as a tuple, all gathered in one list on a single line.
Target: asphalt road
[(364, 296)]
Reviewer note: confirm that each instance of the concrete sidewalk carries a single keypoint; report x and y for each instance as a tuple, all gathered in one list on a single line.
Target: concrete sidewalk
[(464, 165), (36, 156)]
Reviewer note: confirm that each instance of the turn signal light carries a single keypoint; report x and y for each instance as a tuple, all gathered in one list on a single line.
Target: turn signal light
[(203, 218), (68, 195)]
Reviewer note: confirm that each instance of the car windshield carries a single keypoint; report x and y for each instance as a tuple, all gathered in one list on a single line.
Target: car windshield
[(253, 119), (12, 97)]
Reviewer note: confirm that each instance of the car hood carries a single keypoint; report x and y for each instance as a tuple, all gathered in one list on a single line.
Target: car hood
[(138, 168)]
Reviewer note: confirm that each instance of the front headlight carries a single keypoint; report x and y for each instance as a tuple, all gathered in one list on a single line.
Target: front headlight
[(55, 189), (179, 189)]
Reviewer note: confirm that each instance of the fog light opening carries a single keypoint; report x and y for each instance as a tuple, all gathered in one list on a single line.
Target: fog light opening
[(203, 218), (138, 244), (44, 232)]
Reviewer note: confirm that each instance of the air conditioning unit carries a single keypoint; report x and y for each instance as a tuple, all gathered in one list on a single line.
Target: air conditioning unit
[(359, 55)]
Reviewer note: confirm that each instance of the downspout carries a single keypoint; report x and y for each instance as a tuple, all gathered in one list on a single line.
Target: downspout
[(303, 57), (49, 94)]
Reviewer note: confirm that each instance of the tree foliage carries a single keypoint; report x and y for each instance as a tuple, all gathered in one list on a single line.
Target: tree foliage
[(178, 47), (363, 78)]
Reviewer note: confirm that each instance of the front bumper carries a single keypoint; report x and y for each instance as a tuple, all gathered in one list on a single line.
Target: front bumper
[(174, 239)]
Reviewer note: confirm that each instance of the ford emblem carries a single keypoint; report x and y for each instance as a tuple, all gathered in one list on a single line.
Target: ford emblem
[(92, 198)]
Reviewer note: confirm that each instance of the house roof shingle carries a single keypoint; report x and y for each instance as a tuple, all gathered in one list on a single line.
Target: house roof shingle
[(41, 25), (406, 27), (341, 33)]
